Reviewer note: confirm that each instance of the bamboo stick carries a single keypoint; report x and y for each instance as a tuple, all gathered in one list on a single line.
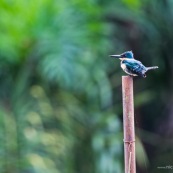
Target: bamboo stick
[(128, 124)]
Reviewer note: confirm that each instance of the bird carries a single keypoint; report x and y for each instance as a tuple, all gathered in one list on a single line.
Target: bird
[(132, 66)]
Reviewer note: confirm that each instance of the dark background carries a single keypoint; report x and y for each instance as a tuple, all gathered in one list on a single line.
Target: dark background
[(60, 92)]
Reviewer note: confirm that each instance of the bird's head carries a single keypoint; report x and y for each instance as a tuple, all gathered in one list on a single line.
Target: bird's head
[(125, 55)]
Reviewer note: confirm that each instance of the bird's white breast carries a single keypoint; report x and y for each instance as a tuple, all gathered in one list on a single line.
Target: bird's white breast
[(123, 66)]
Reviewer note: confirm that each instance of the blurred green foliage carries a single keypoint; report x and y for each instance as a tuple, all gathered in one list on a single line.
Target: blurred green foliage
[(60, 93), (55, 88)]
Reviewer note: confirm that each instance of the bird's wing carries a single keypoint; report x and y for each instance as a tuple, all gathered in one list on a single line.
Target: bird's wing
[(135, 67)]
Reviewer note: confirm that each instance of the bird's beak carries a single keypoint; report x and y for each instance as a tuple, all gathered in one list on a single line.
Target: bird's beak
[(116, 56)]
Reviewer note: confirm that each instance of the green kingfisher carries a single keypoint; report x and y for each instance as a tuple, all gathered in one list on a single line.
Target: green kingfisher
[(131, 66)]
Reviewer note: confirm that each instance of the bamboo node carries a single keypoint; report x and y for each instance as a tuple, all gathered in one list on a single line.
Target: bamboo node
[(128, 141)]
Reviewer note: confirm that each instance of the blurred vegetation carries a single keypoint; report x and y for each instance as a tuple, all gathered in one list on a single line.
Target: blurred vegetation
[(60, 93)]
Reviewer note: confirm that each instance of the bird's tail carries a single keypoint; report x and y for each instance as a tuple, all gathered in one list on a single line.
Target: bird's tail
[(152, 68)]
